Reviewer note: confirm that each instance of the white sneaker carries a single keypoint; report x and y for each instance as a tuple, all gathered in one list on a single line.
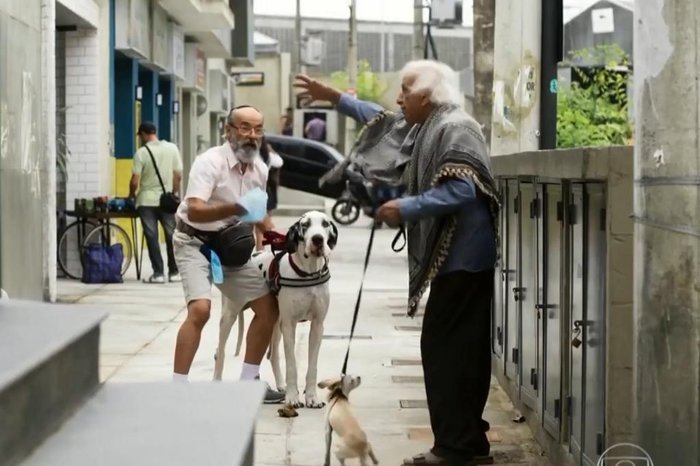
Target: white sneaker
[(154, 279), (174, 278)]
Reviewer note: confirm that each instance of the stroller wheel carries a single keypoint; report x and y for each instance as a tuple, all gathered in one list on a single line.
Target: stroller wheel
[(345, 211)]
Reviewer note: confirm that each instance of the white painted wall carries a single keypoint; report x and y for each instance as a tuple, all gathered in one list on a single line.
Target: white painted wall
[(48, 113), (82, 114)]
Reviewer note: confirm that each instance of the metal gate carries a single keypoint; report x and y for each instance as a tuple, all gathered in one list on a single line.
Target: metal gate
[(587, 403), (526, 294), (550, 309)]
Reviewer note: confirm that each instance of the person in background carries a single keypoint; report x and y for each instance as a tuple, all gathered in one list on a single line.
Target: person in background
[(315, 130), (287, 122), (274, 163), (146, 188)]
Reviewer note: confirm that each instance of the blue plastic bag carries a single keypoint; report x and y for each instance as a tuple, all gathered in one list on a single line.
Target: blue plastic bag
[(102, 263), (255, 204), (217, 271)]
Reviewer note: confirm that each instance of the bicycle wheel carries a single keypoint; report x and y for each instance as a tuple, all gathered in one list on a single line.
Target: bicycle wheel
[(108, 234), (70, 249)]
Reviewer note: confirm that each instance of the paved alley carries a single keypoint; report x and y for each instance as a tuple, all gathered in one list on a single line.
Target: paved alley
[(138, 339)]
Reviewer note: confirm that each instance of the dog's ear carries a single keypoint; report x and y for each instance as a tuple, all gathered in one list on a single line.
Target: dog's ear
[(329, 382), (333, 236), (293, 238)]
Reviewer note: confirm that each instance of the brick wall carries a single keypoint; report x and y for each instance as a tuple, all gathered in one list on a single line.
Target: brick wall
[(81, 116)]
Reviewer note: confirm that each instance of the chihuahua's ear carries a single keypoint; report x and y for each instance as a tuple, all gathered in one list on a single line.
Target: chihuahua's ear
[(328, 382)]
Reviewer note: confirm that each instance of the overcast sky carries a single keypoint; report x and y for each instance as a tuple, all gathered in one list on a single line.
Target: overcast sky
[(373, 10)]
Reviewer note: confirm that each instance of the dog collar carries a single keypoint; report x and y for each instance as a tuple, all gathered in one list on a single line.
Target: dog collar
[(276, 281), (308, 275)]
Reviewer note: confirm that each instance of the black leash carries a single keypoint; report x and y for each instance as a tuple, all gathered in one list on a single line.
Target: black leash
[(359, 297), (329, 432)]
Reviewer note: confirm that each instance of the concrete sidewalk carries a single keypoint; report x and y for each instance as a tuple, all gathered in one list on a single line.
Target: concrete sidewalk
[(138, 340)]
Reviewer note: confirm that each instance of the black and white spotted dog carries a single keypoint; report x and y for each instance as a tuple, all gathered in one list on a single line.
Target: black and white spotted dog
[(299, 275)]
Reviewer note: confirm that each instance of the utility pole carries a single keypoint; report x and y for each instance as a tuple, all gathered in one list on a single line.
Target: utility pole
[(484, 21), (552, 52), (667, 230), (352, 47), (296, 54), (297, 39), (352, 72), (515, 125), (417, 30)]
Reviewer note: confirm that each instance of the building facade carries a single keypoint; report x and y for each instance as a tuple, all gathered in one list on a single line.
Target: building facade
[(68, 115)]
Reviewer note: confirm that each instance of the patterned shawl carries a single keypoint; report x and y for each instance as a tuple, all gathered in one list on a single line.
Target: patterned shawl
[(449, 144)]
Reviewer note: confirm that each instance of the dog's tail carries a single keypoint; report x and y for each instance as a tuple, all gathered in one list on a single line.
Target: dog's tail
[(241, 325)]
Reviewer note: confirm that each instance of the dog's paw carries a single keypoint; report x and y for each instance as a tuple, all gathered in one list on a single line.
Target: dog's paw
[(294, 401), (314, 403)]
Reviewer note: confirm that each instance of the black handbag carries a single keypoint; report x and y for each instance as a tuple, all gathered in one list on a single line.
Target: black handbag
[(233, 244), (169, 202)]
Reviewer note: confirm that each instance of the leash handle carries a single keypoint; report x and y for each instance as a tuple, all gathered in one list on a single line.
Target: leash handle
[(359, 298), (401, 234)]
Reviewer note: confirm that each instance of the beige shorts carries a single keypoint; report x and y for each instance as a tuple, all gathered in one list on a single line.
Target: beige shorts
[(241, 285)]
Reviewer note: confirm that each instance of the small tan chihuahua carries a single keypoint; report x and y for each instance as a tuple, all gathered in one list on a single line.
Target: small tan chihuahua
[(339, 418)]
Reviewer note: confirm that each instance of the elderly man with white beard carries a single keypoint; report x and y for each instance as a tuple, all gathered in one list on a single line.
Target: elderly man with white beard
[(213, 241)]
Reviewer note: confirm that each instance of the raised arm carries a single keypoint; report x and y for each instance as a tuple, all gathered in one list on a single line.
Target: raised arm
[(313, 90)]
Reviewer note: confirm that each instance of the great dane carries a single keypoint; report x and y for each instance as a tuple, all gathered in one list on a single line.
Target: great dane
[(300, 276)]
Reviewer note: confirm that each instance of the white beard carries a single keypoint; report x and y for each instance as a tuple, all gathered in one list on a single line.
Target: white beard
[(245, 154)]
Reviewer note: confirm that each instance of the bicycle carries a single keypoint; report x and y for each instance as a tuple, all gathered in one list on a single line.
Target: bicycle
[(86, 232)]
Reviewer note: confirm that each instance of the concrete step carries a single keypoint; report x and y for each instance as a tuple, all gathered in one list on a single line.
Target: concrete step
[(48, 368), (159, 424)]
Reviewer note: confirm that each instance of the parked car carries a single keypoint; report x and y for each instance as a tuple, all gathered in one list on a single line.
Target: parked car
[(305, 162)]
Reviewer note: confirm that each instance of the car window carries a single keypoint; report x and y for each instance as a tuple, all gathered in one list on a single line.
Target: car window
[(315, 154)]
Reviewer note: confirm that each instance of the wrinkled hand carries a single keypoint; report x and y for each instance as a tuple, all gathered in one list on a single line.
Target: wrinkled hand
[(390, 213), (255, 204), (313, 90)]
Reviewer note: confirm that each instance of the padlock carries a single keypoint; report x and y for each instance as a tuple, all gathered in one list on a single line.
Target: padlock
[(576, 342)]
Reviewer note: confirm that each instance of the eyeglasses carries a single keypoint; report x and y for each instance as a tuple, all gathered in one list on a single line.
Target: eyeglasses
[(247, 130)]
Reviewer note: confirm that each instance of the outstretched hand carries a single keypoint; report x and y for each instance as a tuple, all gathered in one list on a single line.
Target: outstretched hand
[(313, 90)]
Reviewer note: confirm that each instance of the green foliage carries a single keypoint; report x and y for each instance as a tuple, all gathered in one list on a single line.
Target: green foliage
[(595, 113), (369, 85)]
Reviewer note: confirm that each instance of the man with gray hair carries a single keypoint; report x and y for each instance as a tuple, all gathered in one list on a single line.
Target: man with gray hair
[(450, 215)]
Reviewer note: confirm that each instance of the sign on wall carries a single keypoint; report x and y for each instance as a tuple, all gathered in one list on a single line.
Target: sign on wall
[(201, 68), (249, 78), (195, 67)]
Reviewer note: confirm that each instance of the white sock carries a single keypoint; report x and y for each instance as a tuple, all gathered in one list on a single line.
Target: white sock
[(249, 371), (180, 377)]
